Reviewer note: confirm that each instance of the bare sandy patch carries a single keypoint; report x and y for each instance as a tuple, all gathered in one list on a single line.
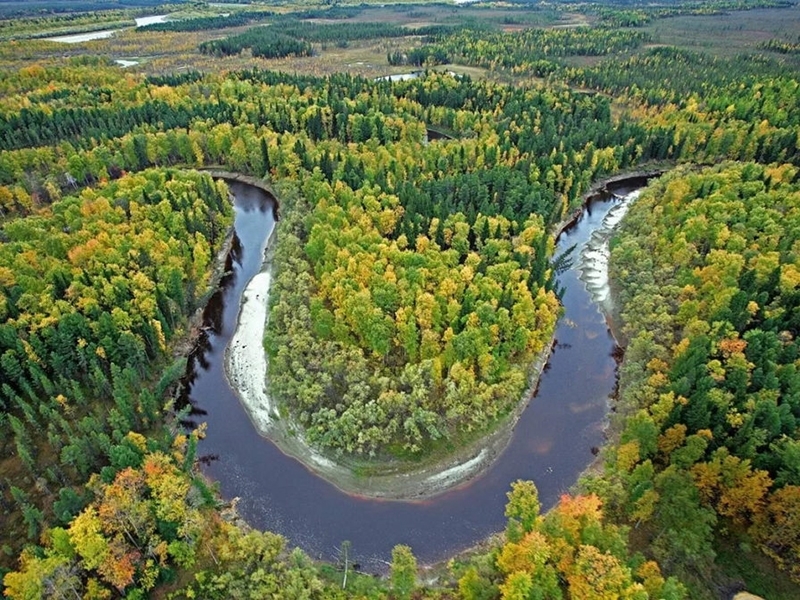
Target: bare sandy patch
[(246, 361)]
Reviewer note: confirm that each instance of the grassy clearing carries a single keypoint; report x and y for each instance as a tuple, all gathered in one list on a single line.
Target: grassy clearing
[(175, 51), (722, 35), (473, 72), (729, 34), (741, 563)]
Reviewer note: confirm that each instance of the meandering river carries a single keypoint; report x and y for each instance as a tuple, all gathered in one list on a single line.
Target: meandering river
[(552, 442)]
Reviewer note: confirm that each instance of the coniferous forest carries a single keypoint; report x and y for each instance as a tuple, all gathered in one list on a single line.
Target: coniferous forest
[(414, 283)]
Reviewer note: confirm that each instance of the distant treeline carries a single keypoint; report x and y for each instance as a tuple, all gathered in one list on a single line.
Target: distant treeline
[(427, 55), (36, 127), (313, 32), (336, 12), (694, 7), (38, 8), (635, 16), (519, 50), (205, 23), (261, 41), (780, 46), (295, 38)]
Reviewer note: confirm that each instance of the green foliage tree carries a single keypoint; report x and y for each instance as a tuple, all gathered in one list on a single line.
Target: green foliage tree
[(403, 572)]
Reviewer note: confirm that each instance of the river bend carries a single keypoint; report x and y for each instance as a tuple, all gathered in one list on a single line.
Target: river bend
[(552, 443)]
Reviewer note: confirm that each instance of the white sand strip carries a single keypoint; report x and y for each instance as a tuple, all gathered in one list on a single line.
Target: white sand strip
[(246, 358), (596, 254), (460, 472)]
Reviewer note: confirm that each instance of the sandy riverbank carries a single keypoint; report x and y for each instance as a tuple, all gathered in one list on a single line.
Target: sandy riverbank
[(246, 366), (246, 361)]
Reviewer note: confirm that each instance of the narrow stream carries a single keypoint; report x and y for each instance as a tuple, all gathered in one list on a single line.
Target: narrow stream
[(552, 443)]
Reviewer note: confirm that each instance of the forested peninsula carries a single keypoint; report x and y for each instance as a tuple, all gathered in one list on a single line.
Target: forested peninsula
[(413, 287)]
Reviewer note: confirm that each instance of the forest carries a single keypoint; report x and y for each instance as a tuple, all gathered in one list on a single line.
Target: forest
[(287, 37), (68, 9), (414, 288), (712, 388)]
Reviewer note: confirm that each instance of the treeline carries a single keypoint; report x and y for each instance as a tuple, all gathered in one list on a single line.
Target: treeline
[(780, 46), (418, 57), (710, 110), (696, 107), (708, 274), (62, 12), (653, 75), (521, 50), (77, 123), (91, 71), (39, 174), (36, 115), (289, 37), (264, 42), (332, 12), (618, 15), (236, 19), (345, 32)]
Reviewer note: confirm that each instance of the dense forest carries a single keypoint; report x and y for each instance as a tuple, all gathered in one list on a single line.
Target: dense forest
[(287, 37), (711, 308), (71, 10), (414, 288), (468, 301), (443, 281), (261, 41)]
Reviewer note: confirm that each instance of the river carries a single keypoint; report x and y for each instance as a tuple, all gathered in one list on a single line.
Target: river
[(552, 443), (77, 38)]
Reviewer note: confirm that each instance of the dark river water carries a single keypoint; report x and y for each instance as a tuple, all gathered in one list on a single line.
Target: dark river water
[(551, 445)]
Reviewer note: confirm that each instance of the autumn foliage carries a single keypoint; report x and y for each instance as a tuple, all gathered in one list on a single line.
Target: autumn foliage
[(572, 552), (711, 377)]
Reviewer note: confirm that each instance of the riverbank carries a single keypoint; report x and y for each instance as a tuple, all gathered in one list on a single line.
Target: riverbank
[(398, 480), (600, 189), (185, 344), (221, 173), (245, 368)]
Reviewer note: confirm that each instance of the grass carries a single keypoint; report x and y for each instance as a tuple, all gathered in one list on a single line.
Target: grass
[(740, 562), (168, 52), (476, 73), (729, 34)]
